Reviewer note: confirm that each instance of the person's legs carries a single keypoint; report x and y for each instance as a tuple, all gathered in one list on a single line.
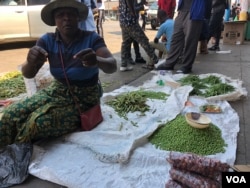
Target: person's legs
[(35, 117), (203, 38), (138, 35), (161, 46), (192, 30), (215, 29), (99, 22), (126, 49), (143, 16), (138, 57), (177, 43)]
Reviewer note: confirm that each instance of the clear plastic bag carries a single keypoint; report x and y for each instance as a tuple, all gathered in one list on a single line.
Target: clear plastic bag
[(14, 163)]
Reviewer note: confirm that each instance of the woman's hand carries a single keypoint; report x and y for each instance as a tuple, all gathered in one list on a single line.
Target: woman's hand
[(88, 57), (36, 57)]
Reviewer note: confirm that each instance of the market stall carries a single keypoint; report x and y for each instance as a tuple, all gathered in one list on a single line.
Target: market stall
[(119, 152)]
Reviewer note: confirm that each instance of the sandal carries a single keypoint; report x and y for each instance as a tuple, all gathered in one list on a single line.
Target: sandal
[(149, 67)]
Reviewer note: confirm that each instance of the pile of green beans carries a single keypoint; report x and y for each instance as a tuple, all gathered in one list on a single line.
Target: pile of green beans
[(178, 135), (134, 101), (11, 84)]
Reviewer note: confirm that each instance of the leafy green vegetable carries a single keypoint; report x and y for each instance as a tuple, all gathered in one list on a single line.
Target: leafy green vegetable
[(207, 87), (11, 84)]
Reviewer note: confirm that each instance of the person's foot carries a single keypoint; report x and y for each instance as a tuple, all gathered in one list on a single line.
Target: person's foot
[(140, 60), (149, 67), (184, 71), (126, 68), (164, 66), (214, 48), (132, 62)]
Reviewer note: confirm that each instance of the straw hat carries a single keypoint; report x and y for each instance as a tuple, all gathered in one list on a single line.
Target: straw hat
[(47, 11)]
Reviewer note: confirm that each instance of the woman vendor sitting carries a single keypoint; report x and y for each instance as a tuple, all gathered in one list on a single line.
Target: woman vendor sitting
[(52, 112)]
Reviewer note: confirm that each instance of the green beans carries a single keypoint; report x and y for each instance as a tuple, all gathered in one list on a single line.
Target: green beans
[(134, 101), (177, 135)]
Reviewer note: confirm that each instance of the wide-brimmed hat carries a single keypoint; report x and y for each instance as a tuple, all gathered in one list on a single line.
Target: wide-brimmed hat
[(47, 11)]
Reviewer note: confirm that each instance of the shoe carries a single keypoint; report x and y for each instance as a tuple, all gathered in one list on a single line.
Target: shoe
[(164, 66), (149, 67), (214, 48), (183, 71), (127, 68), (156, 61), (131, 62), (203, 47), (140, 60)]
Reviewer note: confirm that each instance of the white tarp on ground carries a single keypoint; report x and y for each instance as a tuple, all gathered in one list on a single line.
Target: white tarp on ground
[(117, 154)]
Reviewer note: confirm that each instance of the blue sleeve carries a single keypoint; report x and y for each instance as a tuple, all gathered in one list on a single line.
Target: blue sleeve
[(93, 4), (160, 32)]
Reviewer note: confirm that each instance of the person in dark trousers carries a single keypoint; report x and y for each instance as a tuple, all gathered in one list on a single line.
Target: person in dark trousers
[(205, 30), (216, 22), (143, 14), (187, 29), (101, 8)]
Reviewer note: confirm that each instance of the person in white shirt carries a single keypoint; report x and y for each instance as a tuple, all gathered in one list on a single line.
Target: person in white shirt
[(89, 23)]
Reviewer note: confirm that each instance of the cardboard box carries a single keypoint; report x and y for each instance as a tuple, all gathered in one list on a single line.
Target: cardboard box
[(234, 32), (241, 168)]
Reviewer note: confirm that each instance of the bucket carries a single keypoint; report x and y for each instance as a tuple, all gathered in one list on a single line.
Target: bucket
[(243, 16)]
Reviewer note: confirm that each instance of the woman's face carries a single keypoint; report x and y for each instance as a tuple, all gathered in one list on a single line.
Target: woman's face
[(66, 20)]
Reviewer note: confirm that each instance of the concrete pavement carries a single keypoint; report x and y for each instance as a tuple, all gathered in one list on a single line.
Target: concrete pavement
[(235, 65)]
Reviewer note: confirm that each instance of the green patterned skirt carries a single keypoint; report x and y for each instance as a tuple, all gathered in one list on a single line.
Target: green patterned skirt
[(51, 112)]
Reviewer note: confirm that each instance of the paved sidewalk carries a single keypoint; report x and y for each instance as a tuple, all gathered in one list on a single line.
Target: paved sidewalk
[(235, 65)]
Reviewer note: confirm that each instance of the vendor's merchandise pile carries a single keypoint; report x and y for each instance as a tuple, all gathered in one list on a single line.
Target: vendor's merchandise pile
[(190, 170)]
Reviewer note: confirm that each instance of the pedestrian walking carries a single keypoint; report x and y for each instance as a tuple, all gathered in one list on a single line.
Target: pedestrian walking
[(131, 30), (216, 22), (101, 17)]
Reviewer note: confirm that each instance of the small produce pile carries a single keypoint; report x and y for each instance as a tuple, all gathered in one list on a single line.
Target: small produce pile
[(206, 87), (177, 135), (190, 170), (134, 101), (11, 84)]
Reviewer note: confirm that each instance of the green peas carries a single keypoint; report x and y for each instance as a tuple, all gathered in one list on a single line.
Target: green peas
[(177, 135)]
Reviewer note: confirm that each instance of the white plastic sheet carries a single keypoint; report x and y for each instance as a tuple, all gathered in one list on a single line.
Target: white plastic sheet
[(117, 154)]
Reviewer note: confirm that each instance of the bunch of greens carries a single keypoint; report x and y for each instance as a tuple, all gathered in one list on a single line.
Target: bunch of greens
[(206, 87)]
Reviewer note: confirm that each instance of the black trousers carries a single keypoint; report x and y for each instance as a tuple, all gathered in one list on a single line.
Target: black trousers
[(215, 26)]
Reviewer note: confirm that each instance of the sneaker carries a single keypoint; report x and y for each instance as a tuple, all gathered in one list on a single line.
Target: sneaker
[(132, 62), (183, 71), (214, 48), (127, 68), (164, 66), (140, 60)]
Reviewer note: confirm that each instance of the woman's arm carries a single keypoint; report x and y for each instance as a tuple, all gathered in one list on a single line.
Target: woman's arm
[(35, 59)]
